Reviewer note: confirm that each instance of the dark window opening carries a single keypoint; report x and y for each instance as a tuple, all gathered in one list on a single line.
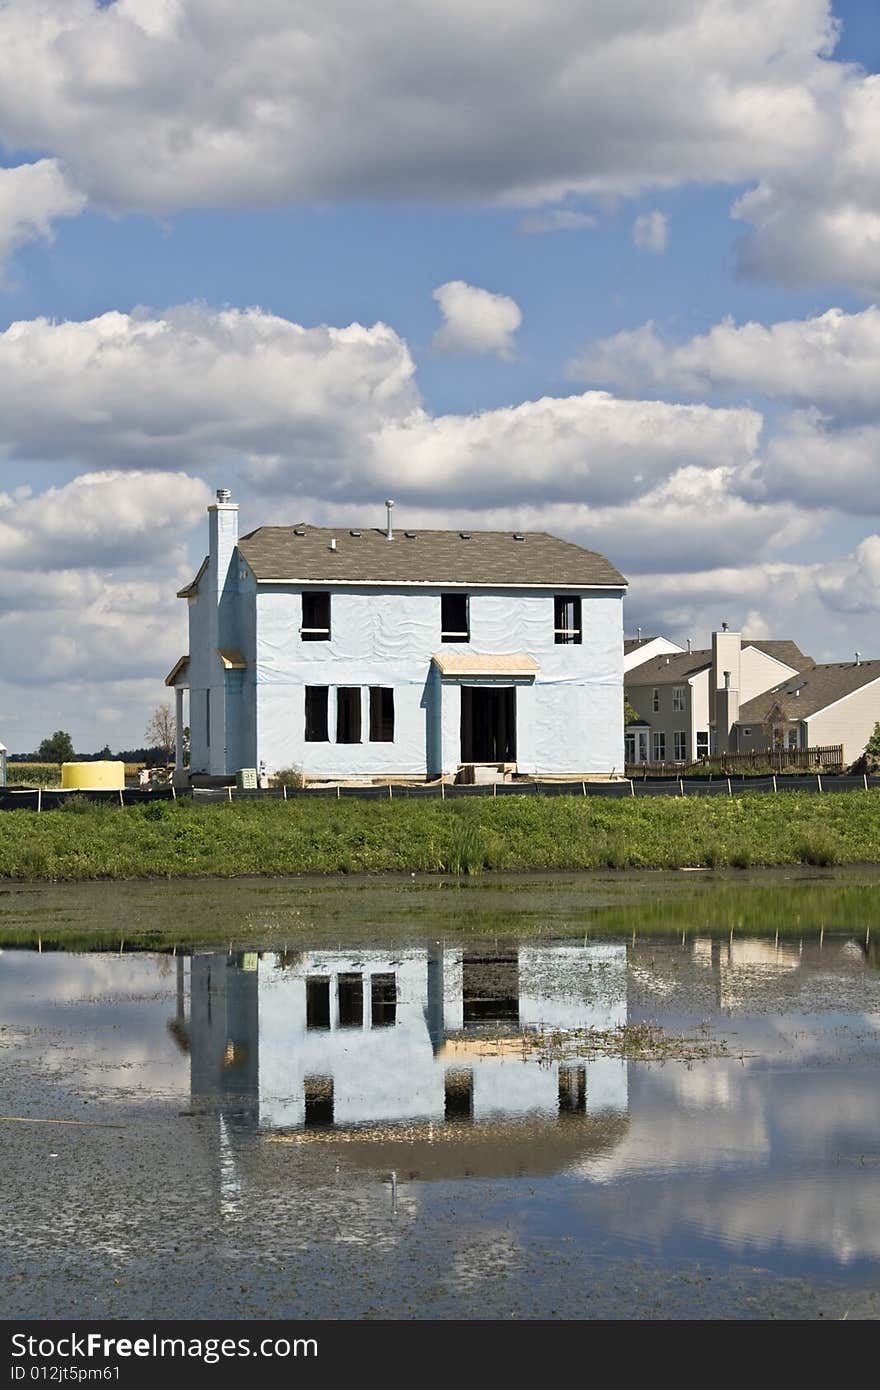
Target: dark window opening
[(490, 988), (383, 1000), (316, 714), (381, 714), (488, 724), (315, 617), (351, 1001), (572, 1090), (566, 618), (318, 1002), (455, 623), (348, 714), (459, 1095), (319, 1101)]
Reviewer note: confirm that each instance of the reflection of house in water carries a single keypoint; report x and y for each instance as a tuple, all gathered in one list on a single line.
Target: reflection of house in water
[(413, 1059)]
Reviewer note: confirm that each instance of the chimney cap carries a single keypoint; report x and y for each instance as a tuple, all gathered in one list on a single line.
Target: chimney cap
[(724, 627), (224, 494)]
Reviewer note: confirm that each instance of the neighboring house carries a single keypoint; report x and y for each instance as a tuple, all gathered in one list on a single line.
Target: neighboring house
[(363, 653), (637, 650), (834, 703), (687, 701)]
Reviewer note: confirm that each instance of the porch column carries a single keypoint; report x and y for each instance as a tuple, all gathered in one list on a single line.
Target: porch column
[(178, 728)]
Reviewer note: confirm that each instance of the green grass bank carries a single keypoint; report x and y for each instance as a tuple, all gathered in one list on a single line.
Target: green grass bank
[(175, 840)]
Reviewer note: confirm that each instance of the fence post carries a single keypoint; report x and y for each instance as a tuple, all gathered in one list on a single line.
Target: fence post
[(632, 787), (173, 793), (865, 775), (584, 788), (229, 794), (338, 792), (680, 787), (121, 797), (284, 791), (774, 782), (390, 793), (39, 798), (729, 792), (818, 781)]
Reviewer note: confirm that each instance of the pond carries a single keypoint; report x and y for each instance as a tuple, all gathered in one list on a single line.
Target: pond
[(398, 1118)]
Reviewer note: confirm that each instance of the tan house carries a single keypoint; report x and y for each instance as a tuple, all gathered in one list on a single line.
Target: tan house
[(835, 703), (688, 702)]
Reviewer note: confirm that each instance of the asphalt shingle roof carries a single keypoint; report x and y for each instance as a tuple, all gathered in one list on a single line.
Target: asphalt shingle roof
[(676, 667), (468, 558), (819, 687)]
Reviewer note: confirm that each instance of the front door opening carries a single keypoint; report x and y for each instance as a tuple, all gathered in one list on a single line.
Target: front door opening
[(488, 724)]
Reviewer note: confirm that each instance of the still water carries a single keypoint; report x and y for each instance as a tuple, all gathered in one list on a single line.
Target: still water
[(444, 1129)]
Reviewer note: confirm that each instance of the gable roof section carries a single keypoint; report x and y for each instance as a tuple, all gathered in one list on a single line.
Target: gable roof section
[(675, 667), (192, 587), (463, 559), (670, 669), (785, 651), (820, 686)]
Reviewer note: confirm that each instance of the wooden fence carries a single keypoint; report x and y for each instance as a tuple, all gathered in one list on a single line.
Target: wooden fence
[(827, 759)]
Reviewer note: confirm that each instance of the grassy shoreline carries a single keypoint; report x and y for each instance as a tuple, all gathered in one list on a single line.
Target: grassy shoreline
[(182, 840)]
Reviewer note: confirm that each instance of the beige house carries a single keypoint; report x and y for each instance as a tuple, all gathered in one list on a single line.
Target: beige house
[(688, 702), (829, 704)]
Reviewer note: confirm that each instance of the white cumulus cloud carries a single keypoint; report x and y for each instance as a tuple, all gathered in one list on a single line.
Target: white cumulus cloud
[(475, 320), (651, 232), (32, 197)]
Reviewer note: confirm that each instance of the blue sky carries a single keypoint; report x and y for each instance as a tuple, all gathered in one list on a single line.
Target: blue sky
[(581, 206)]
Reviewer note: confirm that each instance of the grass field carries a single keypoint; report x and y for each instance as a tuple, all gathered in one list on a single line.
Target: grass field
[(179, 839)]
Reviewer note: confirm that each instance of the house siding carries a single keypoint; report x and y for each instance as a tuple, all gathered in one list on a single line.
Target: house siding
[(849, 721), (568, 720)]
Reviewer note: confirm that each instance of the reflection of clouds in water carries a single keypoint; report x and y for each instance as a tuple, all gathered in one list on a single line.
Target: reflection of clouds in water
[(31, 979), (491, 1254)]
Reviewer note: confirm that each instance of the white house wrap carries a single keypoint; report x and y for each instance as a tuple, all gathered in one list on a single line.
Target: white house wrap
[(351, 653)]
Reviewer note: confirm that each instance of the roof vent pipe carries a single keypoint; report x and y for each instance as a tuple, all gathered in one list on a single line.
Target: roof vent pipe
[(638, 634), (224, 495), (724, 627), (858, 658), (333, 543), (689, 646), (389, 534)]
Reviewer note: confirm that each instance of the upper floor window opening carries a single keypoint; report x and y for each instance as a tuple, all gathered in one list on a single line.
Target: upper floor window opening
[(315, 617), (566, 618), (679, 699), (455, 618)]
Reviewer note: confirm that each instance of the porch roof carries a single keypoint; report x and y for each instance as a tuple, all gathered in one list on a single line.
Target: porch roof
[(485, 664), (179, 672)]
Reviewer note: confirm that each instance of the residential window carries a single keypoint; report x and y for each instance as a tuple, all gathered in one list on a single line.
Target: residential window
[(316, 714), (381, 714), (348, 714), (318, 1001), (655, 700), (455, 624), (383, 1001), (318, 1091), (315, 617), (630, 746), (679, 743), (792, 738), (566, 619), (659, 748), (679, 703), (350, 991), (703, 743), (207, 719)]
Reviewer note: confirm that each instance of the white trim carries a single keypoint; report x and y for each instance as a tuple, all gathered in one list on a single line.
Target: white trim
[(839, 701)]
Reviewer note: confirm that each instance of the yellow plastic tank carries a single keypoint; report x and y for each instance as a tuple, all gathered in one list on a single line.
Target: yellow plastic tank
[(93, 777)]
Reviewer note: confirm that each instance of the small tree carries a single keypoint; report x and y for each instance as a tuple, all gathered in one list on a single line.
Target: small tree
[(57, 749), (161, 731), (872, 747), (630, 716)]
